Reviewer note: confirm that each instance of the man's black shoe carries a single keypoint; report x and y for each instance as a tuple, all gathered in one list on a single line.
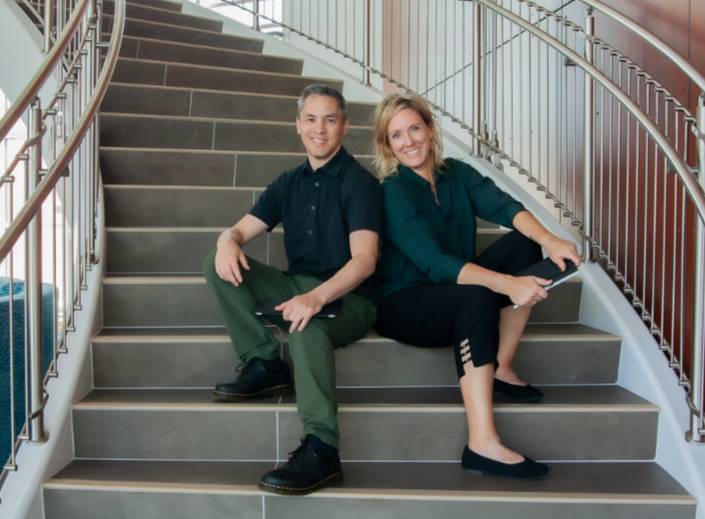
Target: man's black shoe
[(257, 379), (312, 465)]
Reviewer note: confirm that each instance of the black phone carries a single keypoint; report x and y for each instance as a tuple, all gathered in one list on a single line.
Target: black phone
[(329, 311), (548, 270)]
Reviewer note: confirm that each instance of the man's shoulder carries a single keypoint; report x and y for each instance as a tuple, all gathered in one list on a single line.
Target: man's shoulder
[(286, 176)]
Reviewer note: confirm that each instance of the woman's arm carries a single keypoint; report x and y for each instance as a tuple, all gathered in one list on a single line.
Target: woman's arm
[(556, 248)]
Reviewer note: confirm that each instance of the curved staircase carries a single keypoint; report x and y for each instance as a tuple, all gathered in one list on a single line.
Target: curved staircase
[(195, 124)]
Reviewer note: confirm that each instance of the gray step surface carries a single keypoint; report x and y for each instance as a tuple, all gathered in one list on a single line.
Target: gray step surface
[(137, 301), (165, 16), (158, 250), (211, 134), (227, 490), (161, 50), (200, 358), (161, 4), (154, 72), (168, 32), (160, 100), (199, 167), (376, 425)]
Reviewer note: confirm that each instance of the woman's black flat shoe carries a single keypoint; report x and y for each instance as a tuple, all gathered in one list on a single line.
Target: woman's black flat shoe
[(527, 393), (527, 469)]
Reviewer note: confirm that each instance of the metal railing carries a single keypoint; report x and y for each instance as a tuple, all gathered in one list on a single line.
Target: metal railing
[(609, 150), (49, 193)]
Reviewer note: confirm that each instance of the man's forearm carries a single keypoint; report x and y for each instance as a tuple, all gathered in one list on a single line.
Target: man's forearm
[(354, 272)]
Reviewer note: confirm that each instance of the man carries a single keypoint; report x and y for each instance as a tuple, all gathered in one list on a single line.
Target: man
[(331, 211)]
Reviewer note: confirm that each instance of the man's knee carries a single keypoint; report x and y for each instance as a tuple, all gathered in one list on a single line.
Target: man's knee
[(209, 265), (312, 341)]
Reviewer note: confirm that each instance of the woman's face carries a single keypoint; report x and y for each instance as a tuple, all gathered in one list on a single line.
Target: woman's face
[(410, 140)]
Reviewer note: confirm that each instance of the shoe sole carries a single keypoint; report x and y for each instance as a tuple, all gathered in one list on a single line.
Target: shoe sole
[(486, 473), (294, 491), (282, 390)]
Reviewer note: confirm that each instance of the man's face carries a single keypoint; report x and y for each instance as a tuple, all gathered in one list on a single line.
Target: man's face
[(322, 128)]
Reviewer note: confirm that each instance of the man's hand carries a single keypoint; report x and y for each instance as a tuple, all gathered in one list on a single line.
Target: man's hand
[(300, 309), (525, 290), (229, 259), (559, 250)]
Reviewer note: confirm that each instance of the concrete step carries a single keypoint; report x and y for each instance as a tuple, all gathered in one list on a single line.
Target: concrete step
[(138, 301), (193, 133), (180, 250), (164, 73), (177, 33), (160, 100), (177, 167), (199, 358), (166, 16), (374, 423), (161, 50), (227, 490)]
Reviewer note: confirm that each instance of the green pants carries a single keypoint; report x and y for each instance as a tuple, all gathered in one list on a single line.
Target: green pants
[(311, 350)]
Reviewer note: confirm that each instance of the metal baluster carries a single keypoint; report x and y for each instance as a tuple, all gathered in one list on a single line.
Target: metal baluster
[(664, 220), (478, 101), (696, 434), (588, 141), (33, 287)]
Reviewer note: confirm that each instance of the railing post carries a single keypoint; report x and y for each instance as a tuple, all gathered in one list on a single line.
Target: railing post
[(588, 142), (478, 95), (366, 75), (33, 287), (696, 434), (255, 21), (48, 18)]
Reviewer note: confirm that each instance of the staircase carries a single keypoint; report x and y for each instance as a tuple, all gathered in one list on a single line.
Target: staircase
[(195, 124)]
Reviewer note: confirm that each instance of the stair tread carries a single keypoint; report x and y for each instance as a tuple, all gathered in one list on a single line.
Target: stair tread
[(642, 482), (127, 19), (569, 398), (558, 331)]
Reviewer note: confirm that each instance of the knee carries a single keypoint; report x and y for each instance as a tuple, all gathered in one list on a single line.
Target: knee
[(527, 251), (311, 342), (209, 265)]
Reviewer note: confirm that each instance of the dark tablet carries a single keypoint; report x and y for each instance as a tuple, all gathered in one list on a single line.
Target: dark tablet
[(329, 311), (548, 270)]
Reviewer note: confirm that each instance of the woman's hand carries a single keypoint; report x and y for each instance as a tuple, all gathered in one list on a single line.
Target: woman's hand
[(525, 290), (560, 250)]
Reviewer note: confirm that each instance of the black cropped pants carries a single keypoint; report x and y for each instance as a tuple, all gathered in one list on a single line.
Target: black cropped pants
[(467, 316)]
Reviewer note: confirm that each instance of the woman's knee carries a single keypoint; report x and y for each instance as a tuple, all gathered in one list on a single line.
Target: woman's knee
[(526, 250)]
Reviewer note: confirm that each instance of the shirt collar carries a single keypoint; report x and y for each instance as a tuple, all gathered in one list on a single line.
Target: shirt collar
[(417, 179), (333, 166)]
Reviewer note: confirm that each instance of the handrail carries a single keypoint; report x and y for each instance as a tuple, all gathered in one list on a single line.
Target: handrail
[(690, 181), (652, 40), (35, 84), (30, 208)]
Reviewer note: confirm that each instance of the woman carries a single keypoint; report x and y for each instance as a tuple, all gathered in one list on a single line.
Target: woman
[(437, 292)]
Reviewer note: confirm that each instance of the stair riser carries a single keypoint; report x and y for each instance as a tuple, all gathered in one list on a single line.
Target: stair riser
[(164, 101), (80, 504), (145, 29), (183, 252), (142, 305), (379, 435), (214, 57), (369, 363), (172, 74), (139, 12), (198, 168), (153, 132)]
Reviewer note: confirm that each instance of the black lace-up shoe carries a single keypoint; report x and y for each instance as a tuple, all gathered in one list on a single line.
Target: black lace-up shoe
[(257, 379), (312, 465), (527, 469)]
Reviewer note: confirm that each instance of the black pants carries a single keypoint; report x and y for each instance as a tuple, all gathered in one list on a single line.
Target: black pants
[(466, 316)]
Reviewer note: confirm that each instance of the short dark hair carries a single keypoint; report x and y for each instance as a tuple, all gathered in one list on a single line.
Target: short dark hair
[(319, 89)]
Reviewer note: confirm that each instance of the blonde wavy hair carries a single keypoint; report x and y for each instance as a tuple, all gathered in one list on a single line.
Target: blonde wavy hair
[(385, 162)]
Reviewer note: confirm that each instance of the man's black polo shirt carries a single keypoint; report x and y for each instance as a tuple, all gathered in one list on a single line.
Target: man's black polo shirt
[(318, 210)]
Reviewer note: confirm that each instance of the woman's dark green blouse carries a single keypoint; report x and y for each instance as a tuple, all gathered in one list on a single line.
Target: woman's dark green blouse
[(425, 241)]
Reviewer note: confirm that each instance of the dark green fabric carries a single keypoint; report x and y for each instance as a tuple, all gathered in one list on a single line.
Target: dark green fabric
[(429, 241), (311, 350)]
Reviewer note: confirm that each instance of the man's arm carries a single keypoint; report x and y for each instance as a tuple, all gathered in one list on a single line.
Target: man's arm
[(229, 257), (364, 249)]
